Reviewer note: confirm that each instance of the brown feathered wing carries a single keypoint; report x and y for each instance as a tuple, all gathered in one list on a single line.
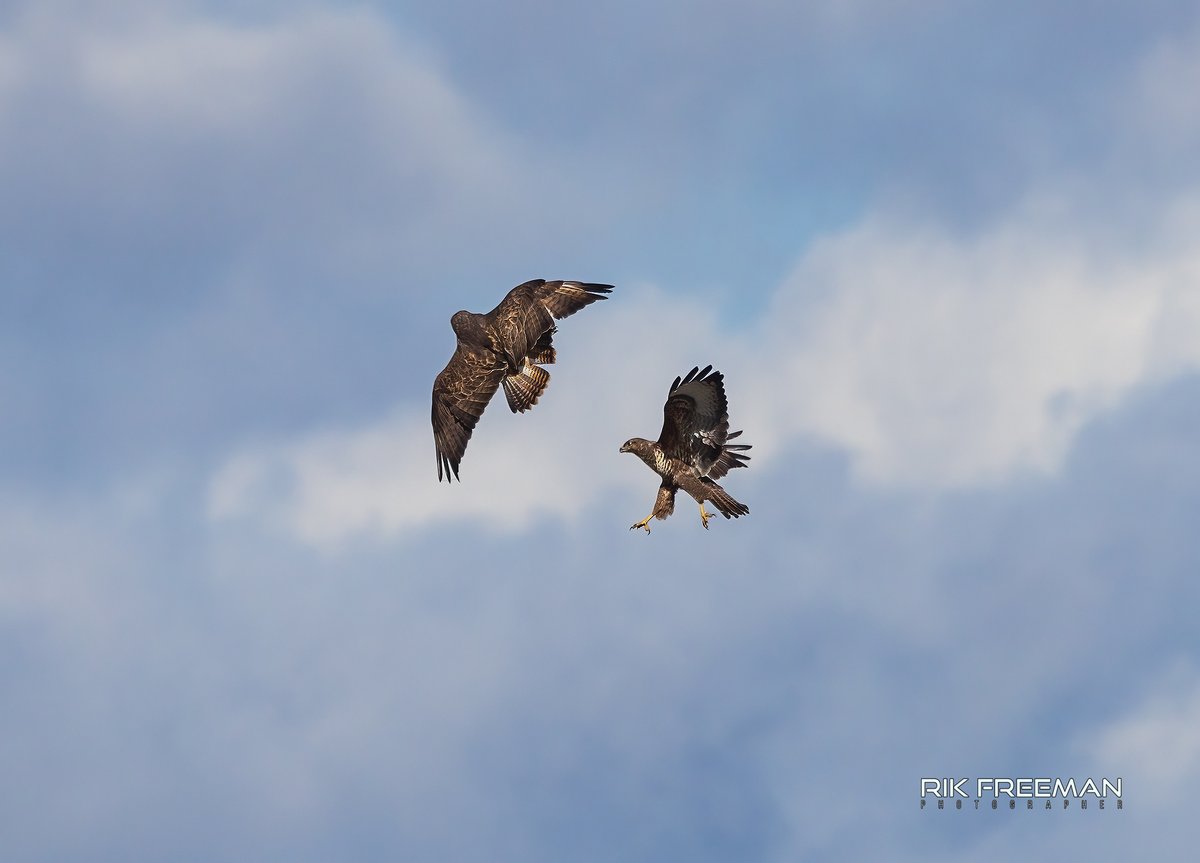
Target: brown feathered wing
[(460, 394), (528, 312), (696, 424)]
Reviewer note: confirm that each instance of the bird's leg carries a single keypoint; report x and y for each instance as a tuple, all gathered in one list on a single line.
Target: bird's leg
[(644, 523), (704, 516)]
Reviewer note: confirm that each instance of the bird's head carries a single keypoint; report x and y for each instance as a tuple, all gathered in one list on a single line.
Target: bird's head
[(633, 445), (461, 322)]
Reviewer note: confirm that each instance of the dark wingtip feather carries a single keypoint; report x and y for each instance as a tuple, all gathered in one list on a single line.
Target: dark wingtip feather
[(564, 297), (447, 469), (593, 288), (698, 375)]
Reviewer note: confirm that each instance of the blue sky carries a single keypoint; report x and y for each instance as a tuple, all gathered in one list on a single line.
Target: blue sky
[(945, 255)]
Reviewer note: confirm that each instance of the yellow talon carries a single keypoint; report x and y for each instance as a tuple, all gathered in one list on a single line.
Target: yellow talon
[(644, 523), (704, 516)]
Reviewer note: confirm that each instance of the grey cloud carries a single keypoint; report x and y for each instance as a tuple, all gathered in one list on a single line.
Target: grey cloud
[(176, 689), (213, 216), (776, 693), (255, 215)]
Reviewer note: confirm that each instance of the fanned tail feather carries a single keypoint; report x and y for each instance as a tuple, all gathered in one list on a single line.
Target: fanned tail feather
[(724, 501), (524, 389)]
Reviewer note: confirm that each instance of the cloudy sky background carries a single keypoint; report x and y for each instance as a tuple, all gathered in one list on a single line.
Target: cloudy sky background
[(945, 254)]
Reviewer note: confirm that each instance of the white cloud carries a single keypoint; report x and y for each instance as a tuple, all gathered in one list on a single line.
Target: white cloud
[(381, 478), (933, 361), (207, 77), (1158, 742), (327, 127), (944, 361), (249, 698)]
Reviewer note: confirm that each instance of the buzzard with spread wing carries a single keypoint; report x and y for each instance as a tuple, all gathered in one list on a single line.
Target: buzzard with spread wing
[(693, 450), (506, 347)]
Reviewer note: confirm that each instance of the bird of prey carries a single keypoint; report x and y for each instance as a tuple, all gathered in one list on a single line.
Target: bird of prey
[(693, 451), (506, 347)]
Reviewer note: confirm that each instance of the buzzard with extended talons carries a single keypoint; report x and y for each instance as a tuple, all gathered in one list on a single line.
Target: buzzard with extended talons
[(693, 450), (506, 347)]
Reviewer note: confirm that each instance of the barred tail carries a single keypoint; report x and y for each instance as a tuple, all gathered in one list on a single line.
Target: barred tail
[(524, 389), (723, 500)]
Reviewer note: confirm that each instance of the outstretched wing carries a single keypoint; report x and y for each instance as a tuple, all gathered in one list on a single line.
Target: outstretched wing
[(696, 419), (460, 394), (563, 299), (528, 312)]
